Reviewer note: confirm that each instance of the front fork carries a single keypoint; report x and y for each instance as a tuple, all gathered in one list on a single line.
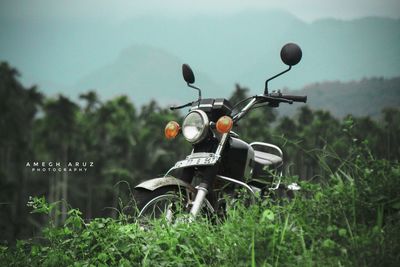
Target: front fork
[(208, 180), (203, 188), (199, 199)]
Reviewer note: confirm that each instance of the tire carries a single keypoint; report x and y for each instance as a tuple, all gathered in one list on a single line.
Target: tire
[(165, 201)]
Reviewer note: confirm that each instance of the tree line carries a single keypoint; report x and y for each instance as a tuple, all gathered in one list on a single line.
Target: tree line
[(126, 145)]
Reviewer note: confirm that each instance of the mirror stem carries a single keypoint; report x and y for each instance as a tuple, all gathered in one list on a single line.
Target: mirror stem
[(279, 74), (194, 87)]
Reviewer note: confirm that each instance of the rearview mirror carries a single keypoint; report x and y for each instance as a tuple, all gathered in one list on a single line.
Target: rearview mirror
[(187, 74), (291, 54)]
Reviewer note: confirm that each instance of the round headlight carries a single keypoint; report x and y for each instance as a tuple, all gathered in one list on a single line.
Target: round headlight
[(195, 126)]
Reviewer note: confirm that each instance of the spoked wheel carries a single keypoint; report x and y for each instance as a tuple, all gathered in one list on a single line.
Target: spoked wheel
[(165, 202), (170, 202), (167, 206)]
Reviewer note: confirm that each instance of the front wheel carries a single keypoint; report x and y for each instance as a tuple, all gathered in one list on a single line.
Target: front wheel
[(164, 202)]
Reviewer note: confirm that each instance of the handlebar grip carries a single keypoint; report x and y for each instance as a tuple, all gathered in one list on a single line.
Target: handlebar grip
[(296, 98)]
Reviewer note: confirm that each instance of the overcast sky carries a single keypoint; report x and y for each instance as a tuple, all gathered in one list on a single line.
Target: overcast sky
[(118, 10), (56, 43)]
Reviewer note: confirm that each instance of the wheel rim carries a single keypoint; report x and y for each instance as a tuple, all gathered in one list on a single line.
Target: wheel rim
[(167, 205)]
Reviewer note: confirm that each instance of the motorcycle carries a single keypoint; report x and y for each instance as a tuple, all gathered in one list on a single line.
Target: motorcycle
[(220, 162)]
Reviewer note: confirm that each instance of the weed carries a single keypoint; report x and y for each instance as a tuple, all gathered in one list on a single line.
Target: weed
[(351, 219)]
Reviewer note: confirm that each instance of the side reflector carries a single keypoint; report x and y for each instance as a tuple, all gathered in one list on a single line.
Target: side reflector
[(171, 130), (224, 124)]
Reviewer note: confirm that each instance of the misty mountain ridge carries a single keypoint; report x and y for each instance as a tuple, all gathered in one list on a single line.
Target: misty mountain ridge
[(142, 57), (144, 73), (239, 49), (367, 97)]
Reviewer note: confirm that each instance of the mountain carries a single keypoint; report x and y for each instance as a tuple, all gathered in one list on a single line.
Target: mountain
[(223, 50), (367, 97), (245, 48), (144, 73)]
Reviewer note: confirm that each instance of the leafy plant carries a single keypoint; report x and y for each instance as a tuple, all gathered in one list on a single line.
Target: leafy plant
[(349, 220)]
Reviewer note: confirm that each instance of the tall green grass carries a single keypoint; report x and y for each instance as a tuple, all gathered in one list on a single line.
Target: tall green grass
[(348, 218)]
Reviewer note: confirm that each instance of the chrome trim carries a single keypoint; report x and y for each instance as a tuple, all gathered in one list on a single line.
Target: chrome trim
[(274, 185), (233, 134), (206, 125), (268, 145), (253, 195), (198, 201), (244, 110), (206, 106), (221, 144)]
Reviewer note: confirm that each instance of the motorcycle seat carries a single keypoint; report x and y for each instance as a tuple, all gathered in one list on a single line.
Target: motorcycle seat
[(265, 158)]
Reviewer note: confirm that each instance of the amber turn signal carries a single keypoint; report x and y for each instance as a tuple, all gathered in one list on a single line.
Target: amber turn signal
[(224, 124), (171, 130)]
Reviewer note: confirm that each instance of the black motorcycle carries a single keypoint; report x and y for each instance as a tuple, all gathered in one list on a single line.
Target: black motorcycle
[(220, 162)]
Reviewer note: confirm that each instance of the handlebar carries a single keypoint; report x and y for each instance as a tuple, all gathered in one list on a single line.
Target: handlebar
[(296, 98), (273, 100), (179, 107)]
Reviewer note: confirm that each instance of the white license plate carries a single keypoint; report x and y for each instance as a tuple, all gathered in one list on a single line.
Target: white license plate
[(197, 161)]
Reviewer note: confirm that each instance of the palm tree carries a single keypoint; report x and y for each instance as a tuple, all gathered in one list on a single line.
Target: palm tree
[(92, 100), (59, 134), (18, 107), (89, 143)]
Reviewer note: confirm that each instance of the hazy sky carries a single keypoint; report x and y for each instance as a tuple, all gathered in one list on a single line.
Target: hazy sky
[(119, 10), (57, 43)]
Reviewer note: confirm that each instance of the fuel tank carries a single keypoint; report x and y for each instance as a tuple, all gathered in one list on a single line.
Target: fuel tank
[(237, 160)]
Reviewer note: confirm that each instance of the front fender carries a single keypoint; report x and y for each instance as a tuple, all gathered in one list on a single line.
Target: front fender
[(155, 183)]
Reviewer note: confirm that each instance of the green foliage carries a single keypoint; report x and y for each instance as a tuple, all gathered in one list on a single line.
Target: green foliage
[(39, 205), (346, 214), (351, 220), (124, 143)]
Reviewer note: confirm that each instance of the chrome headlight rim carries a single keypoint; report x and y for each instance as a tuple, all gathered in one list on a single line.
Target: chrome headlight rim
[(203, 132)]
